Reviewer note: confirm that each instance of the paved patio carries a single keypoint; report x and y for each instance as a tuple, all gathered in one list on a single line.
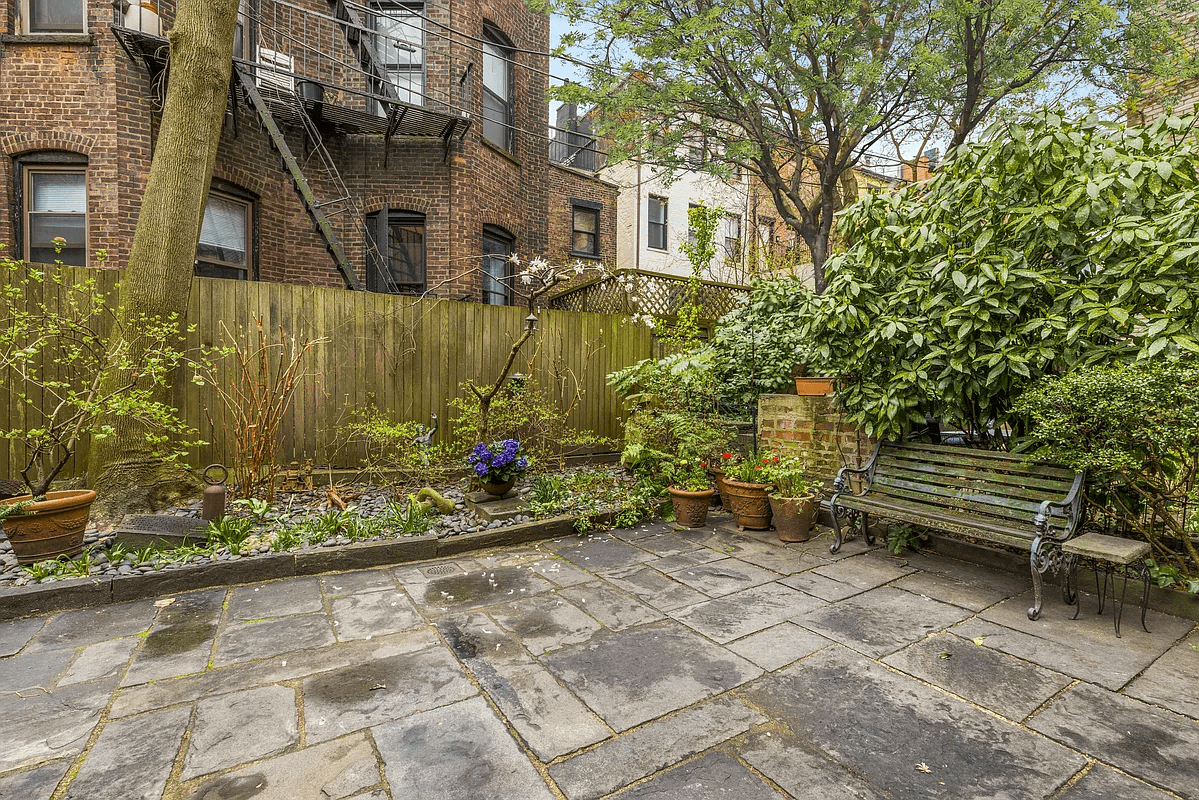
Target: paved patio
[(646, 664)]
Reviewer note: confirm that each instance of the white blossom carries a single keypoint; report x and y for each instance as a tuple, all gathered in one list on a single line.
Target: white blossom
[(514, 258), (537, 264), (526, 278)]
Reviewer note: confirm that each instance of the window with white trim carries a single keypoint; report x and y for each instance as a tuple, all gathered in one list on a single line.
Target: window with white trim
[(497, 88), (226, 237), (401, 48), (657, 221), (53, 16), (55, 225)]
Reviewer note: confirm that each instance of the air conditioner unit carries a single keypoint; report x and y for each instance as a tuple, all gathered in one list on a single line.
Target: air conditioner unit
[(273, 60)]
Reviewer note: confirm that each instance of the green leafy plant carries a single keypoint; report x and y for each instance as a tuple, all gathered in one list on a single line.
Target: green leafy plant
[(230, 532), (790, 477), (78, 567), (145, 555), (41, 570), (408, 519), (687, 473), (549, 495), (902, 536), (257, 507), (55, 346), (117, 552), (751, 469)]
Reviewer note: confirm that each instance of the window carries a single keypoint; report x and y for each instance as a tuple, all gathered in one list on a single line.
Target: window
[(400, 45), (584, 239), (497, 267), (54, 16), (225, 246), (56, 208), (657, 222), (497, 88), (400, 237), (692, 239), (732, 237)]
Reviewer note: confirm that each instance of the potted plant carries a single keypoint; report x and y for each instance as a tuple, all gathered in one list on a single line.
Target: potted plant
[(66, 380), (498, 465), (690, 490), (795, 499), (746, 484)]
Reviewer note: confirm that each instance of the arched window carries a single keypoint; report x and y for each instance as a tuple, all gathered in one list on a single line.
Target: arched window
[(400, 239), (52, 196), (497, 88)]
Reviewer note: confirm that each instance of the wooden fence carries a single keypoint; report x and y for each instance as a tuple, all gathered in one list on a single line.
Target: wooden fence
[(411, 354)]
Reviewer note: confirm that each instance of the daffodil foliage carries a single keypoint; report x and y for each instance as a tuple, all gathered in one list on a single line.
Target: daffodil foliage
[(1047, 245)]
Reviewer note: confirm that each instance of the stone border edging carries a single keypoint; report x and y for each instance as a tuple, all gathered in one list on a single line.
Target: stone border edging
[(27, 601)]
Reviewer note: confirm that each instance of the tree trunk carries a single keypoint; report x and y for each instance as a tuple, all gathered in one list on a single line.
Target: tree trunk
[(157, 281)]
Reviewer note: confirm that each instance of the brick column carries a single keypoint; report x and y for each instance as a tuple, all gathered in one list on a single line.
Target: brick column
[(811, 428)]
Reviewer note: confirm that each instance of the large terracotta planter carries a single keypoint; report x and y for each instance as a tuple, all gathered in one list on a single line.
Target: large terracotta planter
[(718, 477), (813, 387), (691, 508), (748, 503), (51, 528), (793, 517), (499, 489)]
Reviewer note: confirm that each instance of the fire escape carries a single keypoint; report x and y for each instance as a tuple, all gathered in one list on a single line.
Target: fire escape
[(347, 72)]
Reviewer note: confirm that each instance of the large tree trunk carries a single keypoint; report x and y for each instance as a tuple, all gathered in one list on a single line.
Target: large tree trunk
[(157, 280)]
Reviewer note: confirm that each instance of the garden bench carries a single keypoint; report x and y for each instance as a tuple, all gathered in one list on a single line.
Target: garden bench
[(997, 497)]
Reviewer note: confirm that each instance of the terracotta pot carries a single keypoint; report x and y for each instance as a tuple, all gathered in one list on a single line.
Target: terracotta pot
[(51, 528), (718, 477), (691, 508), (749, 503), (813, 387), (499, 489), (793, 517)]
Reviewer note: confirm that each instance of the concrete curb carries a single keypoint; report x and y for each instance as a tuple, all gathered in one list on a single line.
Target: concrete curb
[(26, 601)]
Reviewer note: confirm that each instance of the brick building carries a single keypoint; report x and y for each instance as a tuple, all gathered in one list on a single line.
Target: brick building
[(374, 144)]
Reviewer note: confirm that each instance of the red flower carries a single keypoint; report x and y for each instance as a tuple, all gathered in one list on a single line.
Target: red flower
[(726, 456), (776, 459), (758, 467), (703, 463)]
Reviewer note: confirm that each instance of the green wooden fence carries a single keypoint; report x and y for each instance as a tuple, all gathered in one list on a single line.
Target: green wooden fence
[(411, 354)]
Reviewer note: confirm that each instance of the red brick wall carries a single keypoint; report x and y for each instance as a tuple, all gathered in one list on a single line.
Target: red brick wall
[(92, 99), (565, 185), (811, 428)]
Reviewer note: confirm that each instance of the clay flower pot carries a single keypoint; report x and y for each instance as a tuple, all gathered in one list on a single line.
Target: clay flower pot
[(691, 508), (499, 489), (813, 387), (748, 503), (50, 528), (793, 517)]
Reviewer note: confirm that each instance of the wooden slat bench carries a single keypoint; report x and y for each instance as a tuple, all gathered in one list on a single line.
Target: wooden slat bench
[(998, 497)]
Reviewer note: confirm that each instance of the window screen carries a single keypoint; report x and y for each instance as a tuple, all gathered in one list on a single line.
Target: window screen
[(57, 209)]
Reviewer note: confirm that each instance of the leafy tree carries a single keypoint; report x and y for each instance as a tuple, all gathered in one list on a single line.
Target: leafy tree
[(757, 345), (123, 469), (795, 91), (1048, 245)]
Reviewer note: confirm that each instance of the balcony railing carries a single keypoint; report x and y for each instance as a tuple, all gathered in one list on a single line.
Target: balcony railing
[(575, 149)]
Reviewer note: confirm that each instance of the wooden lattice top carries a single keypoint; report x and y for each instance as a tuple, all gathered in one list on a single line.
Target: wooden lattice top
[(658, 294)]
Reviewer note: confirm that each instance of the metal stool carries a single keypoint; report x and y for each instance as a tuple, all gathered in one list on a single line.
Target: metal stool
[(1113, 556)]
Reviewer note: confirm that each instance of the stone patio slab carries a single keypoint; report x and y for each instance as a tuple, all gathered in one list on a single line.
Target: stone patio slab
[(989, 678), (736, 615), (955, 591), (376, 613), (1160, 683), (330, 771), (180, 642), (666, 544), (90, 625), (100, 660), (245, 641), (711, 777), (545, 623), (612, 607), (45, 726), (381, 690), (882, 620), (656, 746), (286, 667), (632, 676), (655, 588), (1104, 783), (882, 725), (779, 646), (461, 752), (1154, 745), (817, 585), (560, 572), (723, 577), (241, 727), (33, 669), (277, 599), (34, 784), (16, 633), (476, 588), (550, 719), (367, 580), (1087, 647), (866, 571), (132, 758), (691, 558), (604, 554), (803, 771)]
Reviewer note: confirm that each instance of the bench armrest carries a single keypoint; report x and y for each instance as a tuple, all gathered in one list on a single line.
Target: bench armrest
[(1071, 504), (841, 482)]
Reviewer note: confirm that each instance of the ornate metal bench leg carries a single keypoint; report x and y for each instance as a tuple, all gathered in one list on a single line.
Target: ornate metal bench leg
[(835, 513), (1102, 592), (1144, 594), (1070, 594), (1119, 606), (1038, 562), (866, 528)]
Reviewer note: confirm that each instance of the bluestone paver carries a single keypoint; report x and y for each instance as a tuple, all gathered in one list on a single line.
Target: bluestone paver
[(711, 777), (34, 784), (42, 726), (132, 758), (779, 646), (86, 626), (1104, 783), (723, 577), (361, 616), (666, 544), (367, 580), (803, 771), (241, 727), (16, 633), (736, 615), (546, 622), (883, 726), (970, 590), (100, 660), (460, 752), (180, 642), (604, 554), (654, 588), (632, 676), (244, 641), (1178, 667), (819, 586), (463, 591), (990, 678), (614, 608), (34, 670), (866, 572), (653, 747), (277, 599), (882, 620), (1158, 746), (693, 558)]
